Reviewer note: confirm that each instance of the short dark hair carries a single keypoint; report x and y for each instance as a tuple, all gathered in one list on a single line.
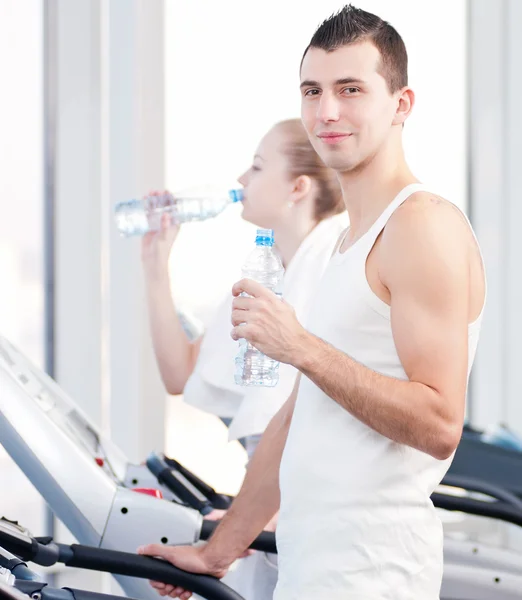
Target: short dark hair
[(351, 25)]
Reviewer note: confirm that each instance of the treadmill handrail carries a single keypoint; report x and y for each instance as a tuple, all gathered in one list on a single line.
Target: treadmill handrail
[(472, 484), (202, 486), (220, 501), (178, 483), (494, 510), (146, 567), (114, 562), (265, 541)]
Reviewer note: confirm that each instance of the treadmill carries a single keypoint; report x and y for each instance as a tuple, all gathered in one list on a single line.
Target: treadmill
[(109, 503), (83, 476)]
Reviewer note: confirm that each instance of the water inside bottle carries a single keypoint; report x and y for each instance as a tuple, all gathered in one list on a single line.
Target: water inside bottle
[(253, 368)]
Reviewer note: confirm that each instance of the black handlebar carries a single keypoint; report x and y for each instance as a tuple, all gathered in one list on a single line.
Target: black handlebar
[(506, 506), (494, 510), (133, 565), (472, 484), (17, 540), (221, 501), (179, 484), (265, 541), (46, 552)]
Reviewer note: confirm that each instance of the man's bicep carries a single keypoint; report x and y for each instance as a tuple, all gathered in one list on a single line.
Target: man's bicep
[(429, 311), (431, 340)]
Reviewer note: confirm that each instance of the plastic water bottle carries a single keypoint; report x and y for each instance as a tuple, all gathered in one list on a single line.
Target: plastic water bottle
[(137, 217), (264, 266)]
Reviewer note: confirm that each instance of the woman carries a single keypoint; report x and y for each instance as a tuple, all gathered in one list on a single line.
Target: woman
[(287, 189)]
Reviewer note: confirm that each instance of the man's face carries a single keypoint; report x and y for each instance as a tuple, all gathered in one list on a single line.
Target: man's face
[(346, 106)]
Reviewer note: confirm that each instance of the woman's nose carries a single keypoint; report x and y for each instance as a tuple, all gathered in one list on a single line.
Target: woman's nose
[(243, 179)]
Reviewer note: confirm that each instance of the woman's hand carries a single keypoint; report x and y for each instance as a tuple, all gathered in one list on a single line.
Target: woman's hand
[(156, 247)]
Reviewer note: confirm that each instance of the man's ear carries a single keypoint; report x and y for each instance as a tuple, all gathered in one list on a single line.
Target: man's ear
[(405, 103)]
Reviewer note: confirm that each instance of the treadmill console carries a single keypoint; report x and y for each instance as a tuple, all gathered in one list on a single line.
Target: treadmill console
[(59, 408)]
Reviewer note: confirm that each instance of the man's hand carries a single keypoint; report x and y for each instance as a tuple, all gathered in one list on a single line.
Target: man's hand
[(188, 558), (266, 321)]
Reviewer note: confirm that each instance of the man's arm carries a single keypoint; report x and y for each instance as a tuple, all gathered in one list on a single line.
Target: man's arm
[(423, 260), (259, 498), (254, 506)]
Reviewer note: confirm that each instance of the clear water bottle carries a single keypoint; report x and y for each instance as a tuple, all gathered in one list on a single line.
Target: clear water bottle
[(263, 265), (137, 217)]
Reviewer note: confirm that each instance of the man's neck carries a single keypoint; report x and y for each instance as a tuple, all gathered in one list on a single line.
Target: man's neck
[(368, 190)]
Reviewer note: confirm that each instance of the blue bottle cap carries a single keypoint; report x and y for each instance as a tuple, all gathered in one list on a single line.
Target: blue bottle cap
[(265, 237), (236, 195)]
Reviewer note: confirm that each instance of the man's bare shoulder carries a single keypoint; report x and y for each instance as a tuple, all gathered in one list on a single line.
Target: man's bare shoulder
[(425, 236), (426, 219)]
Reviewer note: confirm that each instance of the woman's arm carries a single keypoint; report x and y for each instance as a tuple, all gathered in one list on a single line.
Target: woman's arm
[(176, 355)]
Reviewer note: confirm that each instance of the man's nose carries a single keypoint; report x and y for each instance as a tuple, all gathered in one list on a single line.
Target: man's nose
[(328, 108)]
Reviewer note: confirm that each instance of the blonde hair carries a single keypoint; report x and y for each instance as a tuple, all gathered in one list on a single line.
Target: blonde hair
[(304, 160)]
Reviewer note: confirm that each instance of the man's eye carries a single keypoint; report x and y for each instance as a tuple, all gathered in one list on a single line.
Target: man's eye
[(311, 92), (255, 168), (350, 90)]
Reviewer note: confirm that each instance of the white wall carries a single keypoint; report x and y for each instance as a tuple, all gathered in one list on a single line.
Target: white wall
[(21, 224), (496, 210), (232, 71)]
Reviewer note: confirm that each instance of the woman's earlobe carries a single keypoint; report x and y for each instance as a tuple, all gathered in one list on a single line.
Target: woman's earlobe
[(302, 187)]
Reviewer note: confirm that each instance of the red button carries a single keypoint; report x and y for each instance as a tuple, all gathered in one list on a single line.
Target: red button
[(149, 492), (99, 461)]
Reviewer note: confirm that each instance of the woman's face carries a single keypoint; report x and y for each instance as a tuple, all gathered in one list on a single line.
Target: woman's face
[(267, 187)]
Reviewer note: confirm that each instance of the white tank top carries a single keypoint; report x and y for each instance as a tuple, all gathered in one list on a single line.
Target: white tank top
[(356, 517)]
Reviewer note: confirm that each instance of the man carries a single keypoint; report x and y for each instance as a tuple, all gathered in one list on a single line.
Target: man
[(352, 458)]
